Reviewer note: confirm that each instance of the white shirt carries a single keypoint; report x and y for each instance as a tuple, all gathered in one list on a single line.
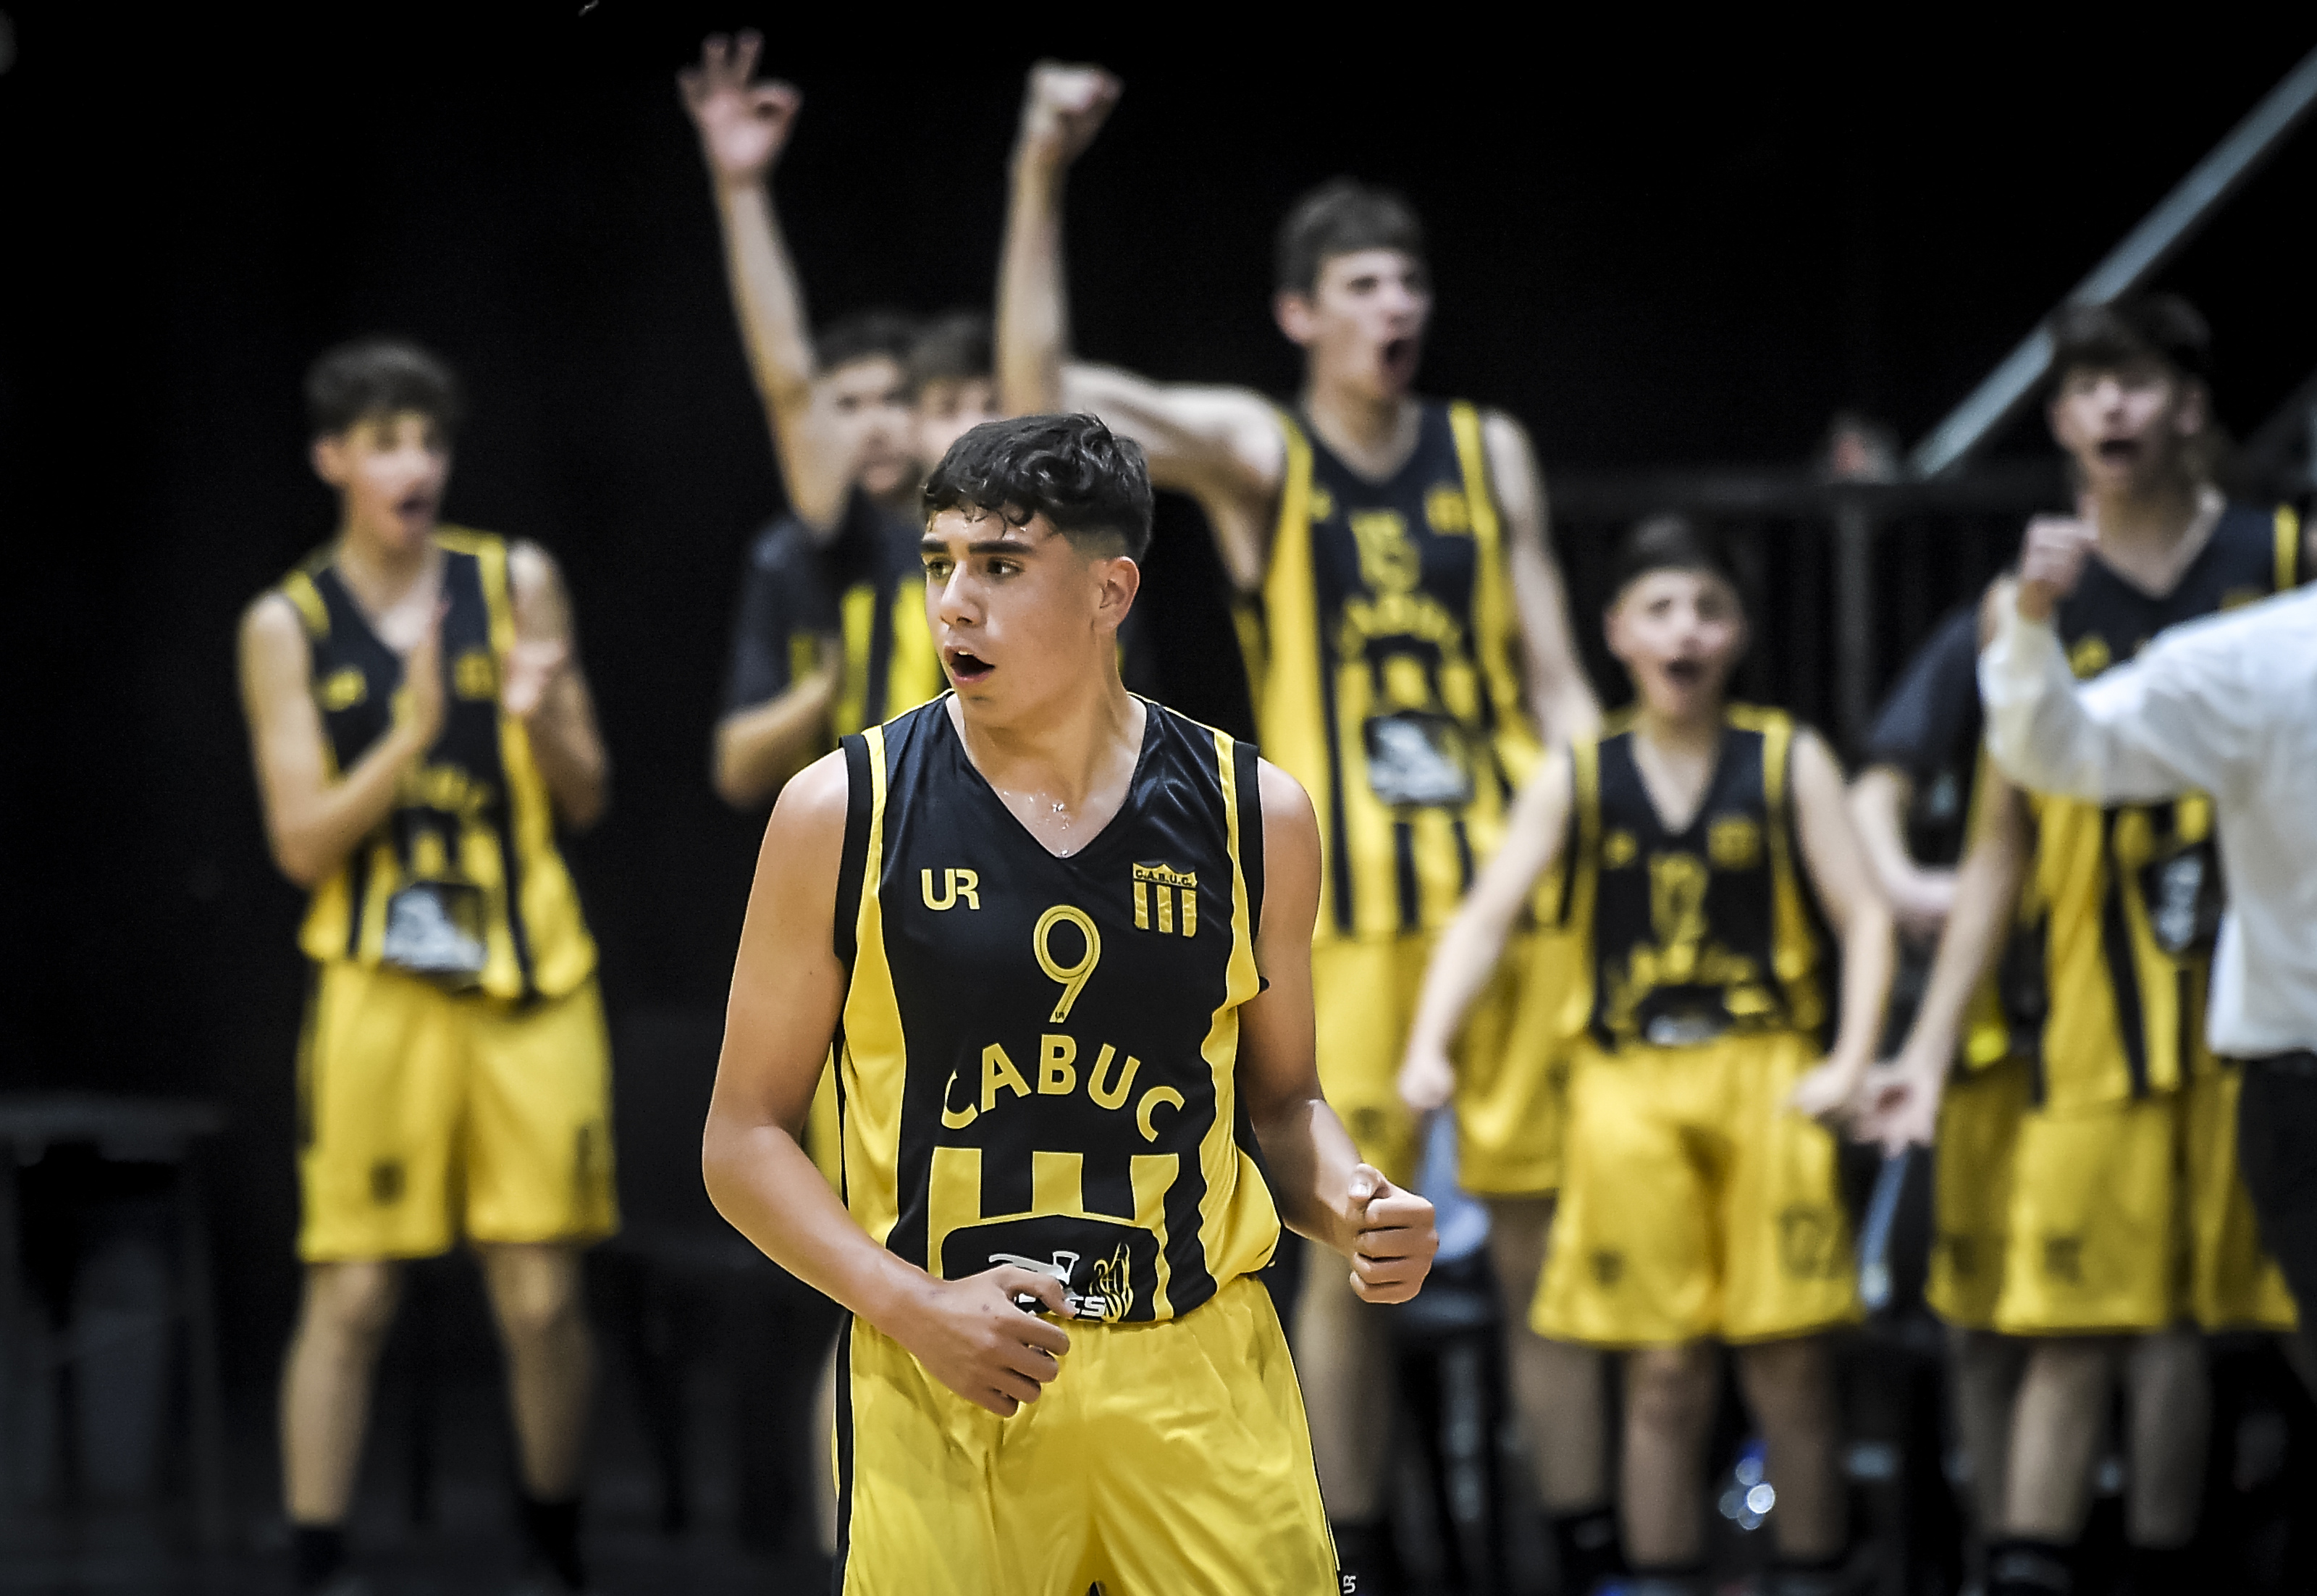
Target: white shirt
[(2225, 706)]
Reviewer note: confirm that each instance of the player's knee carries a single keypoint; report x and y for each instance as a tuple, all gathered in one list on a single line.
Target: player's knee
[(353, 1300), (535, 1295), (1790, 1385), (1669, 1390)]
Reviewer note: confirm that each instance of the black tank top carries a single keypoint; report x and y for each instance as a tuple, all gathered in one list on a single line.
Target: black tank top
[(1039, 1054)]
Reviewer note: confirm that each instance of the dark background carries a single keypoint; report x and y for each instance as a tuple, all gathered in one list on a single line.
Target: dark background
[(1675, 248)]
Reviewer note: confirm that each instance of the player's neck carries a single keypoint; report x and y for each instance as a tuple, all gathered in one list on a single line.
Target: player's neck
[(1690, 734), (2148, 535), (1063, 770), (1374, 436), (378, 570)]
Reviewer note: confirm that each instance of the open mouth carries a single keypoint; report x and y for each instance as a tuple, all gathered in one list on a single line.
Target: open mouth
[(417, 504), (1684, 673), (1399, 355), (965, 667), (2119, 451)]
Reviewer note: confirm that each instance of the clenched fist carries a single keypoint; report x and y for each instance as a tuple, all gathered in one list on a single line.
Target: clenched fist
[(1393, 1239)]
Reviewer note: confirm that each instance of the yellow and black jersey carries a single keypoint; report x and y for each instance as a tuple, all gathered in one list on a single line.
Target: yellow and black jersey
[(1038, 1056), (462, 882), (862, 585), (1695, 933), (1385, 672), (2130, 897)]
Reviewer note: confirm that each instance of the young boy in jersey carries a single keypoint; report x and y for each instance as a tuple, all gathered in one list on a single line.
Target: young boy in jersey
[(829, 637), (2114, 1222), (1062, 938), (421, 728), (1699, 845), (1411, 633)]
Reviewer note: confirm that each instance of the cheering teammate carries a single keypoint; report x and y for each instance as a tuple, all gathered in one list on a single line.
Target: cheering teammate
[(830, 636), (1061, 937), (1697, 842), (1396, 547), (2111, 1159), (420, 727)]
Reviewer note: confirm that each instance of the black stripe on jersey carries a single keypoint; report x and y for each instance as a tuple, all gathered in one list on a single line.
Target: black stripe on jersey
[(511, 866), (854, 860), (1403, 862), (1463, 856), (844, 1456), (1246, 776), (1340, 857), (2124, 974)]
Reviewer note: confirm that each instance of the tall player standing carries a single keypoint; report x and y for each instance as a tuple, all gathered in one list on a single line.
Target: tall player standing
[(1061, 937), (421, 727), (2110, 1220), (1397, 547)]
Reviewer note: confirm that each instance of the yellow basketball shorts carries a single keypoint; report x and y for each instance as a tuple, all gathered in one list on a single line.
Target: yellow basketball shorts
[(425, 1116), (1694, 1203), (1512, 1072), (1971, 1191), (1166, 1459), (1365, 992), (2130, 1216)]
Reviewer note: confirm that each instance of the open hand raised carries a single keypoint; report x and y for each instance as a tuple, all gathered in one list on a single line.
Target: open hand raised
[(743, 125)]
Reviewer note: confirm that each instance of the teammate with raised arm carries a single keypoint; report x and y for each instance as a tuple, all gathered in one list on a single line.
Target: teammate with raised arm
[(1412, 633), (421, 728), (1062, 938), (830, 636), (1683, 846), (2100, 1213)]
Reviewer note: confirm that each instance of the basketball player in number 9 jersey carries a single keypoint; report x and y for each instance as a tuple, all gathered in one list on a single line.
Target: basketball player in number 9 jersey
[(1062, 940)]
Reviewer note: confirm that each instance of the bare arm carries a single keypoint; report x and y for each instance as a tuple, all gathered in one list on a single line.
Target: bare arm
[(788, 993), (744, 126), (1920, 898), (1469, 949), (1324, 1191), (1558, 694), (314, 820), (547, 691), (759, 748), (1220, 445), (1855, 904), (1903, 1105)]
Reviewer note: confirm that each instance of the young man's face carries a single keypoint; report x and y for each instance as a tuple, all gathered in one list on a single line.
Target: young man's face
[(875, 425), (1362, 326), (2126, 426), (949, 408), (390, 471), (1678, 632), (1021, 615)]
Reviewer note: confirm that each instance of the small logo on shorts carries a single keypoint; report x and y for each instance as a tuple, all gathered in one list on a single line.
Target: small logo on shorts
[(1608, 1268), (1810, 1243), (2063, 1258), (386, 1182), (1962, 1255)]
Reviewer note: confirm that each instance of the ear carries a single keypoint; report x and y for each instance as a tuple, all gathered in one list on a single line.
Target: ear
[(1117, 580), (1612, 628), (1295, 315), (331, 461), (2195, 409), (2055, 419)]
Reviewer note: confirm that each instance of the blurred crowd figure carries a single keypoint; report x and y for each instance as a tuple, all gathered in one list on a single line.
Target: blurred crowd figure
[(1642, 961)]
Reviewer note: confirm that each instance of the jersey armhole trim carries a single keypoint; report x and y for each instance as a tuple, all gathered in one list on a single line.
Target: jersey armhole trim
[(2288, 548), (853, 862), (1247, 779)]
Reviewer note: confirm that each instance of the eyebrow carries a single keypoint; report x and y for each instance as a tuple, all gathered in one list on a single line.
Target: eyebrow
[(995, 545)]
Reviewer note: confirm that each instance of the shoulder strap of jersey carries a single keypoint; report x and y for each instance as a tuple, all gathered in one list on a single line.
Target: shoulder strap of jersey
[(1285, 689), (864, 810), (2288, 548), (1242, 780), (490, 553), (1495, 620), (1792, 927), (1583, 865), (298, 588)]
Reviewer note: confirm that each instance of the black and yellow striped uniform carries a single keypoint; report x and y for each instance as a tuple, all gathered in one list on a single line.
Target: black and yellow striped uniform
[(431, 1082), (1386, 681), (1694, 1202), (1038, 1066), (862, 585), (2128, 1101)]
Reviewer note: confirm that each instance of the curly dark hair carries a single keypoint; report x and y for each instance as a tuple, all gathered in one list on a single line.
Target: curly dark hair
[(1092, 484)]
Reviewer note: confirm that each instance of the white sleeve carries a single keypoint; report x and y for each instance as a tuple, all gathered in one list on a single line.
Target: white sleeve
[(2171, 721)]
